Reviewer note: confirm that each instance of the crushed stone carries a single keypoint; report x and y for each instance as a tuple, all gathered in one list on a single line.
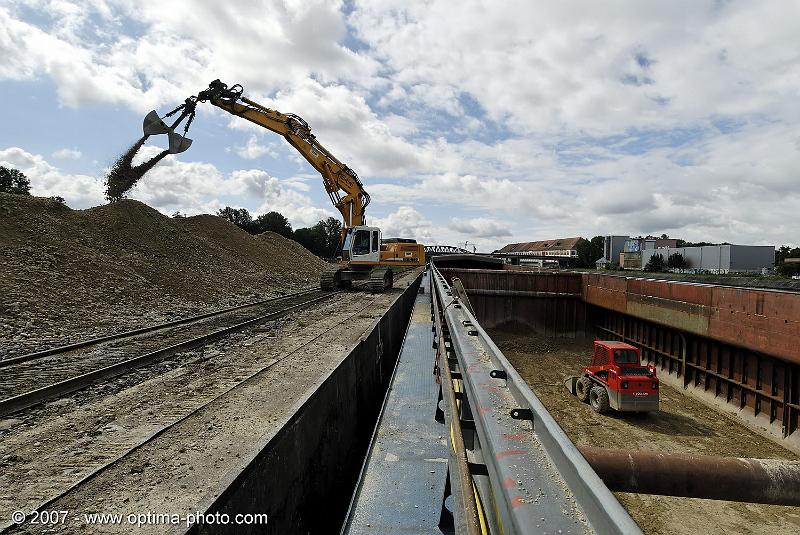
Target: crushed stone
[(67, 275)]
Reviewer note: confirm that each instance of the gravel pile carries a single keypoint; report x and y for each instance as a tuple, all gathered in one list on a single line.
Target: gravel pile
[(69, 274)]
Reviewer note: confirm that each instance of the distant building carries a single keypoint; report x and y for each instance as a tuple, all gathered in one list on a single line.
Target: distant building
[(665, 243), (719, 258), (612, 247), (562, 249), (631, 256)]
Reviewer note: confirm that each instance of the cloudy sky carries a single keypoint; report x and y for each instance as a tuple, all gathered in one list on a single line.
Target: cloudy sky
[(489, 122)]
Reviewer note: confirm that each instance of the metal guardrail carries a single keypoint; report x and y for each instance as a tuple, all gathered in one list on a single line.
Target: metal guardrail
[(529, 476)]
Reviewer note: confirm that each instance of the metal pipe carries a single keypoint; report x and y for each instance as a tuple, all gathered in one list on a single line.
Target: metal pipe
[(771, 481)]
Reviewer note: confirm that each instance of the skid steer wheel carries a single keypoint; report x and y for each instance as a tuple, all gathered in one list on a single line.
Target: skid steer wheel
[(598, 399), (582, 387)]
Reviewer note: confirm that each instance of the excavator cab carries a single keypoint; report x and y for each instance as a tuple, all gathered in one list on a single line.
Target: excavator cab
[(361, 244)]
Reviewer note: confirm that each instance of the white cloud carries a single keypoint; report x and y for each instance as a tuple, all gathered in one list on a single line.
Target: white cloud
[(82, 46), (556, 118), (173, 185), (346, 125), (200, 187), (480, 227), (253, 149), (67, 154), (406, 222), (80, 191), (543, 66)]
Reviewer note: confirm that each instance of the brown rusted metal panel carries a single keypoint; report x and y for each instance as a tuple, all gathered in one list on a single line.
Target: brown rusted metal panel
[(768, 322), (549, 303)]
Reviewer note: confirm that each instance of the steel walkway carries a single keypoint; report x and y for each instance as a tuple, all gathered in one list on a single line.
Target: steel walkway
[(403, 480)]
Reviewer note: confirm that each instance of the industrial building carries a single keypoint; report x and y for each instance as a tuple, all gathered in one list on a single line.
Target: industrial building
[(612, 247), (719, 258), (626, 252)]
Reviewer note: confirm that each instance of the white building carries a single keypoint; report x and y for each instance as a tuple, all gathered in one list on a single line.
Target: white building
[(720, 258)]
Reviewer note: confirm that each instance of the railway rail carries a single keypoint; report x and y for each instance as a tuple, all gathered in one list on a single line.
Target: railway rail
[(4, 362), (180, 414), (32, 379)]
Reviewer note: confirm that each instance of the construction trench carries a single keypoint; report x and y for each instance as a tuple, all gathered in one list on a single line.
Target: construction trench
[(319, 425)]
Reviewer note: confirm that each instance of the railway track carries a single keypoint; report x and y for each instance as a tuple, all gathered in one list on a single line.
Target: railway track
[(172, 414), (32, 379)]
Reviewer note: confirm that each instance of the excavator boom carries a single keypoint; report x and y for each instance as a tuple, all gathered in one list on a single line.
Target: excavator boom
[(363, 255), (342, 183)]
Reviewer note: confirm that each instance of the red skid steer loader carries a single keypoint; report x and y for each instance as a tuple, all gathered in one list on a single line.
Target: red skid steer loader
[(616, 379)]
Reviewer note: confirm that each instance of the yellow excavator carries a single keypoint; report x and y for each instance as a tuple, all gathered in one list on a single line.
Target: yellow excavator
[(362, 253)]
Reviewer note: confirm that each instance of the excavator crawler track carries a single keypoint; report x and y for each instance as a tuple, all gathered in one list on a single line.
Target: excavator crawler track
[(330, 279), (380, 280)]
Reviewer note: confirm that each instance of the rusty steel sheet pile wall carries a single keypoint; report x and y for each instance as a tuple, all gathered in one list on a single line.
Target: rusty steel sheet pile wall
[(549, 303), (303, 475)]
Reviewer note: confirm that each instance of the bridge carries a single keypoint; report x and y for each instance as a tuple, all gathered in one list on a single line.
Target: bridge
[(438, 250)]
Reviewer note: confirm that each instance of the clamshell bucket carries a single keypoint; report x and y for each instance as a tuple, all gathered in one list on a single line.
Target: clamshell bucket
[(178, 143), (153, 125)]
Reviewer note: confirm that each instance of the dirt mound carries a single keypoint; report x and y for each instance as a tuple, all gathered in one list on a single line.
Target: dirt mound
[(85, 271)]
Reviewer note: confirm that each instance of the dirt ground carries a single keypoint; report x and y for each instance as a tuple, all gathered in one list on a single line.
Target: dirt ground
[(69, 274), (683, 425)]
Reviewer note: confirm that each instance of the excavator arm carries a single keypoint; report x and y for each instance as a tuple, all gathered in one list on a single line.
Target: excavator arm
[(342, 183), (362, 255)]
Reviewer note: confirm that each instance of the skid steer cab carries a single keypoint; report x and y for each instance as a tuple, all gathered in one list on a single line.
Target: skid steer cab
[(616, 379)]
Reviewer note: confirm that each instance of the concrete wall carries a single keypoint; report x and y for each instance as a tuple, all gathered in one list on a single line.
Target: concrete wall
[(304, 475)]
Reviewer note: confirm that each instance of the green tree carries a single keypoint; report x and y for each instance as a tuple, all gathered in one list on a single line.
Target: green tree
[(14, 181), (781, 255), (333, 233), (676, 261), (785, 252), (656, 263), (273, 222), (589, 251), (238, 216), (314, 239)]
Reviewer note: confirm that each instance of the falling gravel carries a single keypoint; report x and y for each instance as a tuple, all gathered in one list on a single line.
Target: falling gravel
[(124, 175)]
